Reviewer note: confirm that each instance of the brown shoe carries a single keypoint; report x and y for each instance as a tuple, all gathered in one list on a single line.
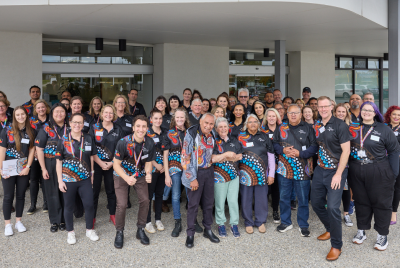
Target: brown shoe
[(324, 236), (249, 229), (165, 207), (261, 228), (334, 254)]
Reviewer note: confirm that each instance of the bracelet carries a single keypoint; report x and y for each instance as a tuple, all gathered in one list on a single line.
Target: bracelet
[(92, 171)]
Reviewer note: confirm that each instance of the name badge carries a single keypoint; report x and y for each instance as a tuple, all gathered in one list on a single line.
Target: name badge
[(26, 141), (99, 133), (361, 154), (88, 148), (374, 138), (304, 148), (86, 124), (322, 129), (156, 140), (396, 133), (145, 156), (128, 125), (270, 135), (249, 144)]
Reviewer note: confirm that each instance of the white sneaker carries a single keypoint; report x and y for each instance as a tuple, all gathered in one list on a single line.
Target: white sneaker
[(348, 221), (8, 230), (381, 242), (359, 237), (20, 227), (149, 228), (160, 226), (71, 238), (92, 235)]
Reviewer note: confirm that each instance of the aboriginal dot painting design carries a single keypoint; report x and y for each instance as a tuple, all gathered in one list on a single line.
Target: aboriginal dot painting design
[(103, 152), (129, 168), (73, 170), (354, 148), (324, 158), (35, 123), (50, 149), (174, 161), (159, 158), (290, 167), (251, 170), (224, 172)]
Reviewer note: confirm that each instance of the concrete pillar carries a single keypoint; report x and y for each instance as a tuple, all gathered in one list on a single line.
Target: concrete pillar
[(280, 70), (394, 42)]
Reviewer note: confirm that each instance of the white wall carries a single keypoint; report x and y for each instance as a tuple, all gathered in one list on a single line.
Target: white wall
[(314, 70), (20, 65), (178, 66)]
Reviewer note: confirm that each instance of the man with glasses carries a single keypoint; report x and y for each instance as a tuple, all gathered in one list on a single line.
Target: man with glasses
[(243, 95), (281, 110), (368, 97), (135, 108), (34, 93), (277, 95), (333, 138), (355, 104), (295, 144)]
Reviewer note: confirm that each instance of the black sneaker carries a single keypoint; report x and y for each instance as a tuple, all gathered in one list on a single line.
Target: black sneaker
[(277, 218), (381, 242), (283, 227), (31, 210), (293, 204), (304, 232)]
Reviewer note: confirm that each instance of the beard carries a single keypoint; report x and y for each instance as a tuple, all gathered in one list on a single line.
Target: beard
[(355, 106)]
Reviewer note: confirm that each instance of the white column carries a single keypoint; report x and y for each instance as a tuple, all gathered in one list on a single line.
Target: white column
[(280, 70)]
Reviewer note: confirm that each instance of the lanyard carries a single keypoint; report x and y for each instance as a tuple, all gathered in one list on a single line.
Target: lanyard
[(137, 159), (133, 113), (397, 128), (55, 129), (179, 137), (73, 150), (5, 123), (366, 135)]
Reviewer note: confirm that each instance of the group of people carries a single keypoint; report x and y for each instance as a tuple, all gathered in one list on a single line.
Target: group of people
[(227, 149)]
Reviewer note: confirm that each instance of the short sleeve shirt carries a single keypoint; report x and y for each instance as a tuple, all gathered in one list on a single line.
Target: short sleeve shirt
[(172, 141), (193, 119), (166, 121), (87, 122), (28, 107), (396, 131), (234, 130), (36, 124), (125, 123), (105, 140), (6, 122), (253, 166), (137, 109), (378, 143), (75, 168), (7, 141), (126, 150), (227, 170), (329, 139), (157, 144), (47, 138)]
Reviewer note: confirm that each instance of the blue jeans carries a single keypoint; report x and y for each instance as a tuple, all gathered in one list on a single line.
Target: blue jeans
[(176, 194), (302, 189)]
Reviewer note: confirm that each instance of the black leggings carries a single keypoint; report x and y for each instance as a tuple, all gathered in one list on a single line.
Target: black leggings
[(346, 200), (36, 178), (156, 187), (275, 195), (108, 185), (84, 189), (396, 195), (17, 184)]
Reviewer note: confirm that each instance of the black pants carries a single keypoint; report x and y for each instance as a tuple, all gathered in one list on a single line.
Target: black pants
[(373, 188), (205, 195), (396, 195), (108, 185), (17, 184), (85, 191), (322, 193), (275, 195), (54, 196), (36, 178), (346, 200), (156, 187)]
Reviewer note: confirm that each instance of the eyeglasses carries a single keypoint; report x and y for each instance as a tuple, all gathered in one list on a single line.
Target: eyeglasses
[(3, 106), (368, 111), (324, 107), (296, 113), (243, 97), (76, 123)]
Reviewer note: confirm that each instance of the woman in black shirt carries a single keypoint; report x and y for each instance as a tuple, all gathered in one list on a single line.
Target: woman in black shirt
[(95, 106), (106, 135), (258, 109), (237, 119), (5, 118), (124, 118), (16, 142), (161, 105), (75, 175), (76, 108)]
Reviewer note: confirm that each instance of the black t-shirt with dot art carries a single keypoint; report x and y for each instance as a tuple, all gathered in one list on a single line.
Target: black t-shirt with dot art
[(106, 141), (48, 137), (157, 143), (7, 141), (172, 142)]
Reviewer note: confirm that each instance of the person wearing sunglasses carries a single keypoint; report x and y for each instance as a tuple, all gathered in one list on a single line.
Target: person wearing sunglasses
[(243, 95)]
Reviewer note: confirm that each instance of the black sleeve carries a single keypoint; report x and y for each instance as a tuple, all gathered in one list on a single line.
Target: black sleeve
[(41, 139), (343, 132), (94, 147), (60, 149), (120, 150), (152, 151), (312, 137), (391, 143), (166, 143), (91, 131), (3, 138), (394, 162), (269, 145), (239, 148), (215, 150), (278, 148)]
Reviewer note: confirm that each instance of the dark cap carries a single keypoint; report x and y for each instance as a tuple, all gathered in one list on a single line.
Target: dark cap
[(307, 89)]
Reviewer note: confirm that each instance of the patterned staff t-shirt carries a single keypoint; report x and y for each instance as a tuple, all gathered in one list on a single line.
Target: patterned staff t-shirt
[(105, 140), (157, 142), (48, 138), (7, 141), (172, 142)]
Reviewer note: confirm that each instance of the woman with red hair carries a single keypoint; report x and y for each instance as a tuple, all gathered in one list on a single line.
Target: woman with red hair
[(392, 119)]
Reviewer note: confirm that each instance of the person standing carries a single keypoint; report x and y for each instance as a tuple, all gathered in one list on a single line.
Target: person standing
[(225, 157), (135, 108), (132, 167), (243, 95), (76, 108), (355, 103), (187, 97), (295, 144), (161, 105), (223, 102), (16, 142), (95, 106), (198, 176), (195, 114), (277, 95), (269, 99), (9, 110), (34, 93), (106, 135), (374, 166), (259, 110), (46, 143), (66, 95), (41, 112), (369, 96), (124, 118), (173, 103), (306, 95), (333, 138), (5, 118), (237, 119)]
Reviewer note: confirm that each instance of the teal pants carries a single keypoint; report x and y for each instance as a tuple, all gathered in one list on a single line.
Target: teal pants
[(227, 191)]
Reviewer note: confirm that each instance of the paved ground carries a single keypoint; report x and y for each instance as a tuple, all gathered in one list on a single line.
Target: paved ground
[(38, 247)]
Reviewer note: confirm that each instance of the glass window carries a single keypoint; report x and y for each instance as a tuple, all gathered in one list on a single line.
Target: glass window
[(346, 63), (385, 91), (367, 81), (373, 64), (343, 85), (240, 58), (336, 62), (360, 63), (385, 64)]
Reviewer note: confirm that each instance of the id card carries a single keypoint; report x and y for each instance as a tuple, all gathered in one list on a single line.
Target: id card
[(374, 138), (361, 154), (26, 141), (128, 125), (270, 135), (249, 144), (99, 133), (88, 148), (322, 129), (304, 147), (396, 133), (86, 124), (156, 140)]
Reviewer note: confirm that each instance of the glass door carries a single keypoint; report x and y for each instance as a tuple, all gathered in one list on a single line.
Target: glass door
[(257, 85)]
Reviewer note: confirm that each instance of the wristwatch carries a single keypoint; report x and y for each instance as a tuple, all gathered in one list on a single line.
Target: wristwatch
[(28, 166), (92, 172)]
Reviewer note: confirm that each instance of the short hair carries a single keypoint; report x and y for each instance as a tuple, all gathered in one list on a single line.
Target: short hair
[(278, 103), (34, 86), (76, 98), (77, 114), (155, 111), (118, 96), (115, 117), (67, 92), (140, 117), (4, 94), (270, 92), (278, 117), (187, 89), (196, 100), (277, 89), (288, 97), (207, 114), (6, 102), (324, 98), (312, 98), (294, 105), (137, 91), (243, 90), (221, 120), (247, 121), (45, 104), (173, 97), (369, 93), (213, 99)]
